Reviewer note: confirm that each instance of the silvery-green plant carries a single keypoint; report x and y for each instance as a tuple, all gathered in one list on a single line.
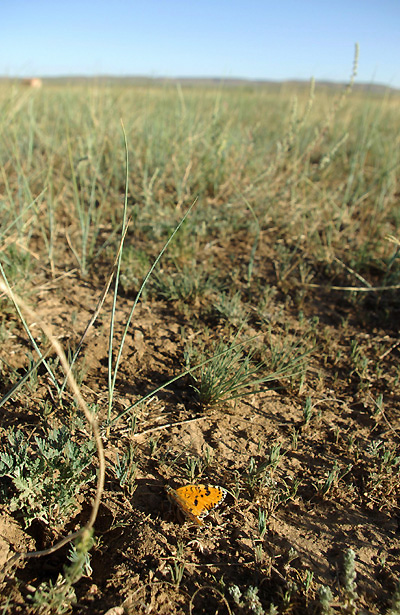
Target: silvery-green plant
[(43, 475)]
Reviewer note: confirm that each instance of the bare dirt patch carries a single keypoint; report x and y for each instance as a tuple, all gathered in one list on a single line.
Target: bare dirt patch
[(310, 524)]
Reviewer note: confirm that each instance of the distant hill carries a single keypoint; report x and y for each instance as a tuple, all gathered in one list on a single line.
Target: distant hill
[(197, 81)]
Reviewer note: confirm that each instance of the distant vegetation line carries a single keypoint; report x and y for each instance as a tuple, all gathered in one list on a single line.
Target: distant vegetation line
[(194, 81)]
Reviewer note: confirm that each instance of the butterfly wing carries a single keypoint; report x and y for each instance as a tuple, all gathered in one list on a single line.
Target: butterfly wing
[(182, 503), (196, 501)]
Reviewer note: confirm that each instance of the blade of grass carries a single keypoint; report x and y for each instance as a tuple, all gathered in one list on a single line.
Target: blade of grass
[(112, 372), (21, 381), (138, 297), (98, 307), (111, 375), (175, 378), (25, 325)]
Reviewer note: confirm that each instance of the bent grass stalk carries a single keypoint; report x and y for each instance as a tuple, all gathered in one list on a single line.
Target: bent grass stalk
[(11, 295), (91, 419)]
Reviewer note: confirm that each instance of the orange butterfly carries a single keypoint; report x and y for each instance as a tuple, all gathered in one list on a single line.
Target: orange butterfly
[(196, 501)]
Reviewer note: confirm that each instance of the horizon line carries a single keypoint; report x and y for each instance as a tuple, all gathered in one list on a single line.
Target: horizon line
[(249, 80)]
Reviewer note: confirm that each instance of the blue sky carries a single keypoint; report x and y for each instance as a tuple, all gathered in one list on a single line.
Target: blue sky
[(254, 39)]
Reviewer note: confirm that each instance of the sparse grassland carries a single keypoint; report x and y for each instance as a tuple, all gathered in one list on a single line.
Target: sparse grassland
[(261, 355)]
